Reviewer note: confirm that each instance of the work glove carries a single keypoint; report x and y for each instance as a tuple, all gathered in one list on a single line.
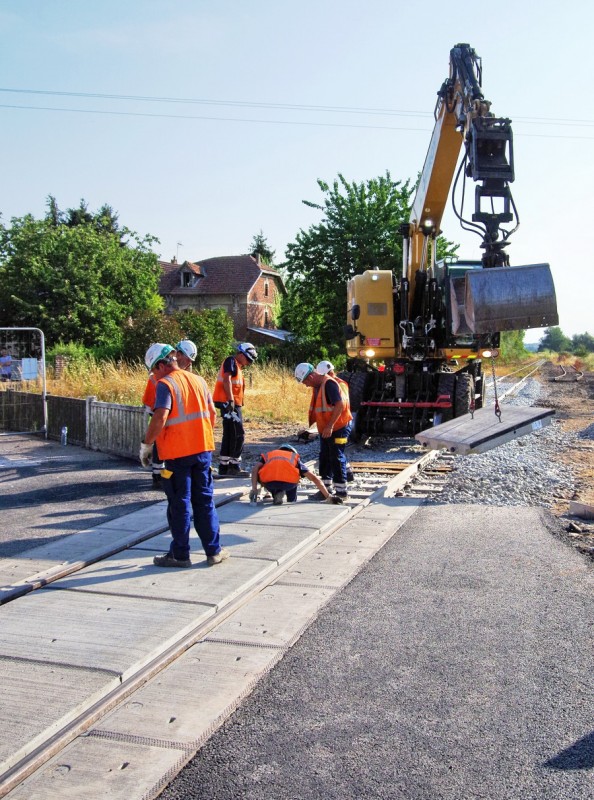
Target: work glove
[(146, 454), (229, 407), (333, 500), (253, 497)]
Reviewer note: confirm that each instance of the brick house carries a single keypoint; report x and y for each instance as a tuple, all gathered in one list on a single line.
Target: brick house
[(247, 289)]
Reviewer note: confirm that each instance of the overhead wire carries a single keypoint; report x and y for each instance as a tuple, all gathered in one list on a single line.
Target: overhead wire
[(331, 109)]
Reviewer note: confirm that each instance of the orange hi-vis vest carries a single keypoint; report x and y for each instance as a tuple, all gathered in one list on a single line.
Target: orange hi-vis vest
[(237, 384), (150, 392), (188, 429), (322, 411), (279, 465)]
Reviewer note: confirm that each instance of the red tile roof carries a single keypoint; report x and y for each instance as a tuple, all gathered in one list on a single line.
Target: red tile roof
[(220, 275)]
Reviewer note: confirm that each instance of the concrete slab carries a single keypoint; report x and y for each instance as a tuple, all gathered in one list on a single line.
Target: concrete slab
[(370, 532), (484, 431), (275, 617), (13, 570), (184, 703), (132, 574), (92, 767), (36, 701), (391, 509), (147, 519), (329, 565), (302, 514), (109, 632)]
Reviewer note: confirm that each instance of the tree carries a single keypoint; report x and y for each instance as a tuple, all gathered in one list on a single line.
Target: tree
[(74, 277), (212, 333), (582, 343), (554, 339), (359, 230), (259, 246)]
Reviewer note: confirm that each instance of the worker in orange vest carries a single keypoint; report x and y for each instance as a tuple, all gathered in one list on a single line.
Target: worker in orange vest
[(228, 398), (182, 426), (330, 410), (279, 472), (327, 368)]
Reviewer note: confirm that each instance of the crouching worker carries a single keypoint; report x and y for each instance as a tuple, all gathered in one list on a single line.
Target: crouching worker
[(182, 424), (279, 472)]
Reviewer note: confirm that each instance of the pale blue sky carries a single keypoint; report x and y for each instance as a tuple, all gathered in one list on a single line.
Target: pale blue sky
[(210, 175)]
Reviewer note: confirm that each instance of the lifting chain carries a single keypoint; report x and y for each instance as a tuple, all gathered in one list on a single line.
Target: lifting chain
[(497, 407)]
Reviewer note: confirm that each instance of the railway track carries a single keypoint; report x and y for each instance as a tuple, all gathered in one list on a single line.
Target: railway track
[(287, 562), (569, 374)]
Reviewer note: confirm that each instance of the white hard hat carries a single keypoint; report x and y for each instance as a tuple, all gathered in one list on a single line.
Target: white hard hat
[(324, 367), (188, 348), (303, 371), (248, 350), (157, 352)]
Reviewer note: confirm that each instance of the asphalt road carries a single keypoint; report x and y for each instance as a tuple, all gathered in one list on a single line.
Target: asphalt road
[(458, 664), (48, 491)]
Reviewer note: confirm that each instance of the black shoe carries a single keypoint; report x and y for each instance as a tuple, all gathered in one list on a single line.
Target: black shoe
[(350, 476), (167, 560), (223, 470), (277, 498), (235, 471), (157, 482)]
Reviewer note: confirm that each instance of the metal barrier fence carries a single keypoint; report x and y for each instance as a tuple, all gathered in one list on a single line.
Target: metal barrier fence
[(107, 427), (22, 361)]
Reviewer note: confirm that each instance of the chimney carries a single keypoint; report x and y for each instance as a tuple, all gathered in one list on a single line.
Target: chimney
[(174, 259)]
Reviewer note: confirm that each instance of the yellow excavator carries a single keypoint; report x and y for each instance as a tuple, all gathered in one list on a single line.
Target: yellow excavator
[(416, 342)]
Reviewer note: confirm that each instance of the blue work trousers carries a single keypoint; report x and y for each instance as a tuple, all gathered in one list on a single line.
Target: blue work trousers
[(333, 461), (190, 489)]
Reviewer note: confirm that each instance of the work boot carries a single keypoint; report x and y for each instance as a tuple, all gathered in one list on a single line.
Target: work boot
[(218, 557), (278, 498), (223, 469), (157, 482), (167, 560), (350, 476), (235, 471)]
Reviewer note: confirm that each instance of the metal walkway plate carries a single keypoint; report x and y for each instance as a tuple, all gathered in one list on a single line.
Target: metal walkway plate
[(483, 431)]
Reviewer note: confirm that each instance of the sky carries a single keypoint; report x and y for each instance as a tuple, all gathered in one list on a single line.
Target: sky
[(248, 104)]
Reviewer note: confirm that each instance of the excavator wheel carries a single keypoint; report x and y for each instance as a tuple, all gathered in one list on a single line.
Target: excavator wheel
[(463, 397), (446, 384), (358, 383)]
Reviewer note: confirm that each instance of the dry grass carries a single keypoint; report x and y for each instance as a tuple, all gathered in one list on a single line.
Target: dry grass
[(272, 393)]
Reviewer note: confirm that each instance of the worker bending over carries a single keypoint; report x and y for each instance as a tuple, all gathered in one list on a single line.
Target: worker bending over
[(279, 472)]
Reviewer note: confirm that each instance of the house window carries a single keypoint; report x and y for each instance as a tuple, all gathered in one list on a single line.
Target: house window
[(266, 319), (186, 279), (265, 288)]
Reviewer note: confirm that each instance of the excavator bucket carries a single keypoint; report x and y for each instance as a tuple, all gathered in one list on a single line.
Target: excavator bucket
[(510, 298)]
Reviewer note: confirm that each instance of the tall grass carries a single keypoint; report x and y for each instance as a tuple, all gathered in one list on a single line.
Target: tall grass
[(272, 393)]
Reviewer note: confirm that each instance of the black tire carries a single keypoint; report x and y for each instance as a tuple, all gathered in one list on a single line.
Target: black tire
[(358, 383), (446, 384), (464, 389)]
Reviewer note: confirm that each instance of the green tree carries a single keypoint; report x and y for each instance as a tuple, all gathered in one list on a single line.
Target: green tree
[(146, 327), (582, 343), (359, 230), (260, 246), (554, 339), (212, 333), (512, 345), (77, 282)]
